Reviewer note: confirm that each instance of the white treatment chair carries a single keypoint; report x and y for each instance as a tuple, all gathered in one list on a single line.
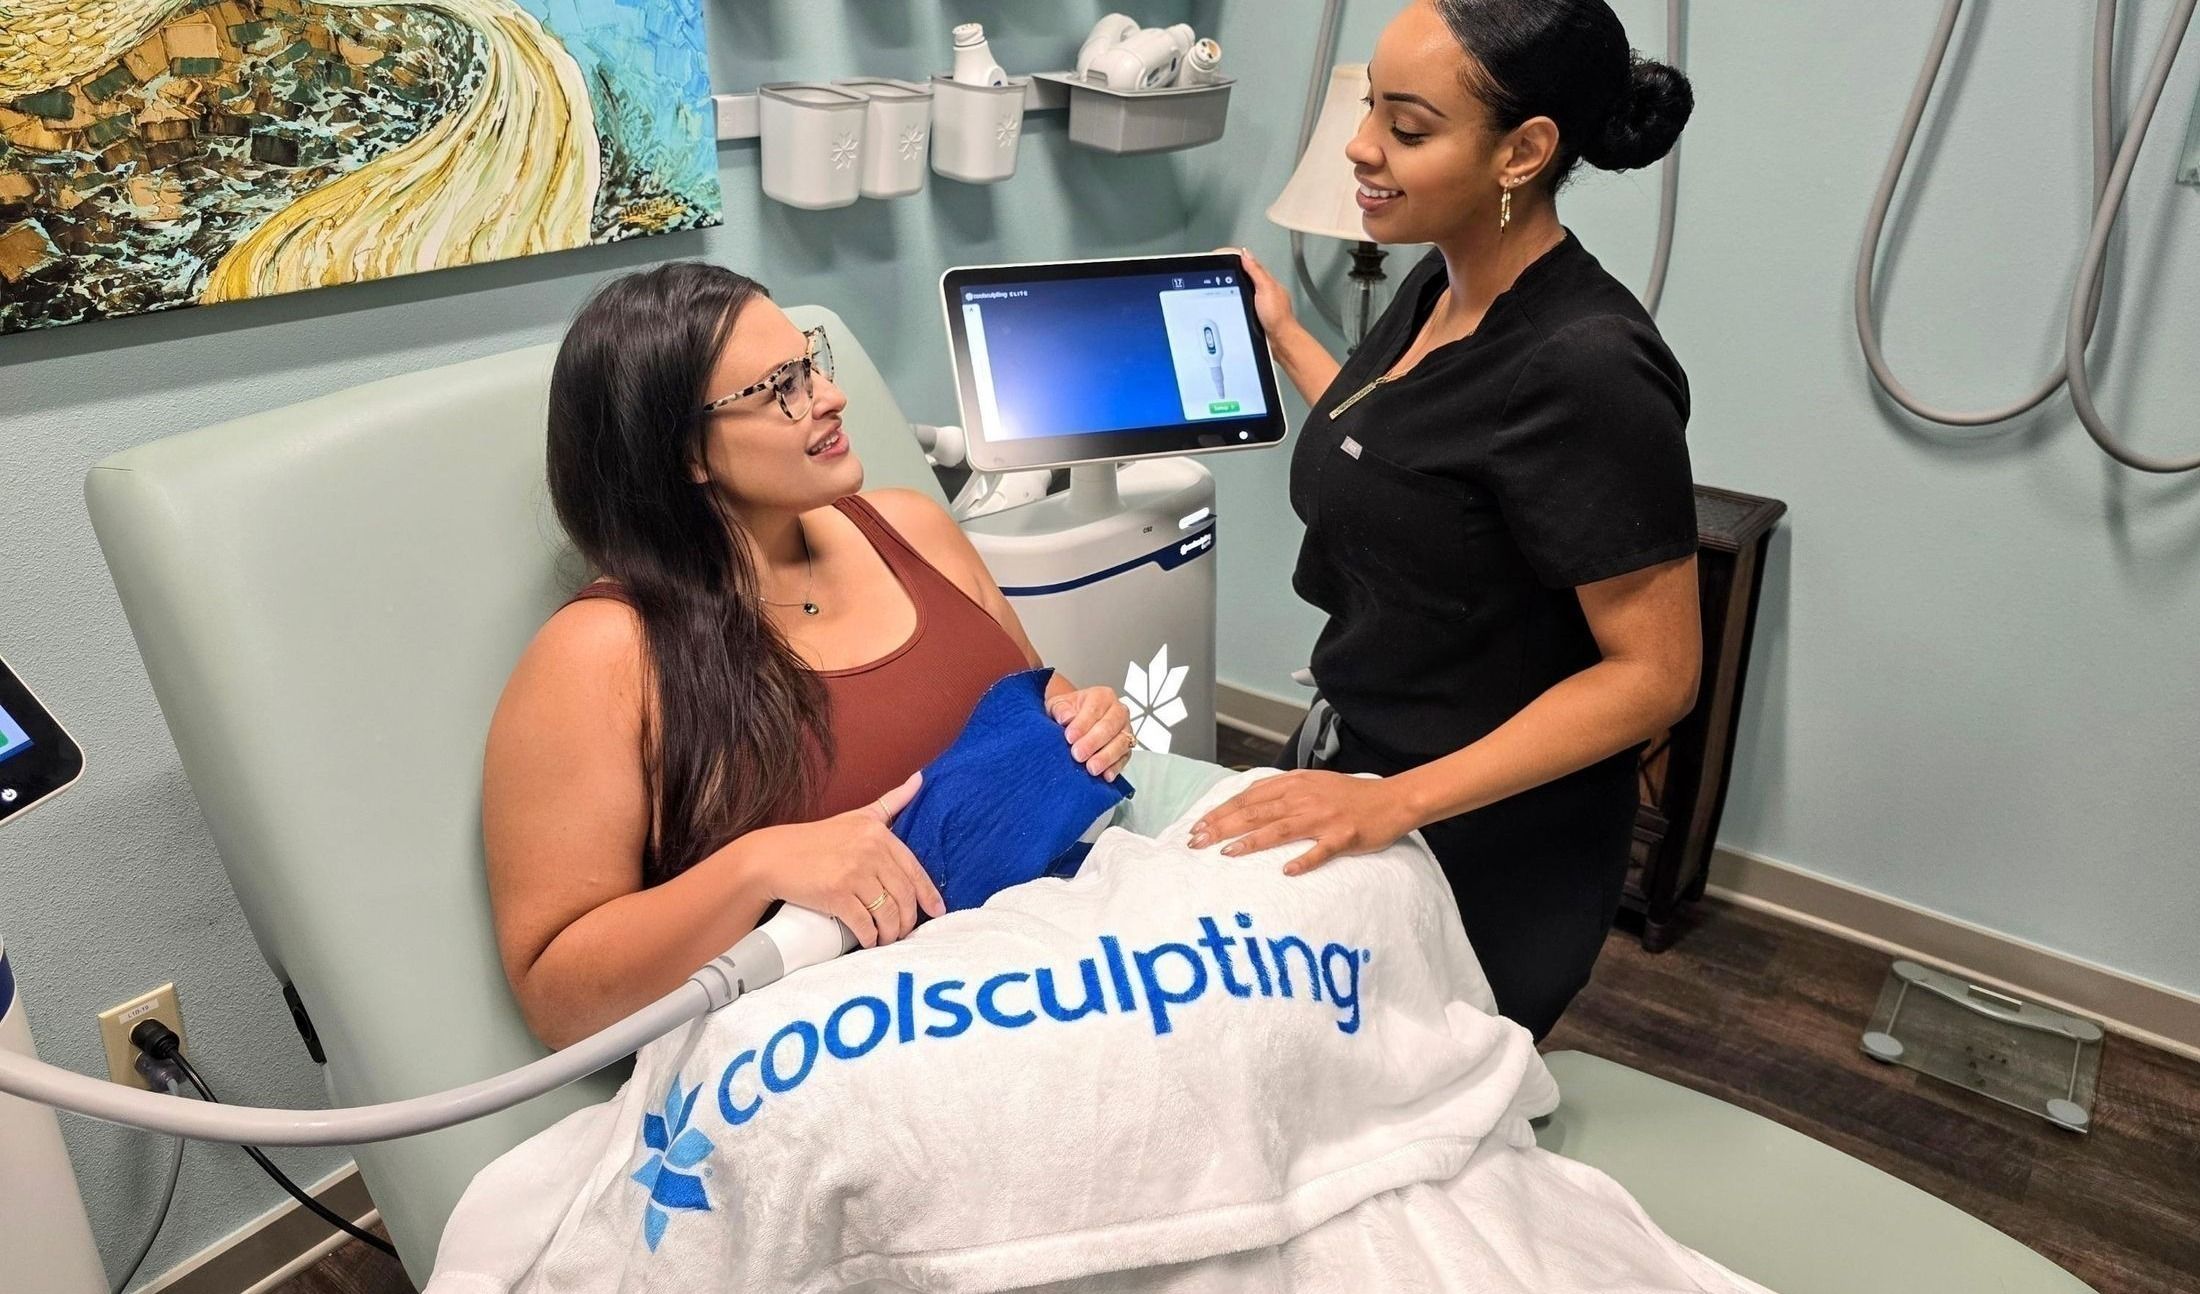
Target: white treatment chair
[(328, 599)]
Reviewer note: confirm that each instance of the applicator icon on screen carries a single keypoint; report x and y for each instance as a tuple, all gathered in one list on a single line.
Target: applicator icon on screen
[(1210, 339)]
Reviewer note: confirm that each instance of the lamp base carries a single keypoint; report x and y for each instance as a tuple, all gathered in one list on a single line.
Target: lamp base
[(1367, 271)]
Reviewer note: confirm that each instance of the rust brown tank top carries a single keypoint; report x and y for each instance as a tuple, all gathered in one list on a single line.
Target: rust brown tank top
[(895, 715)]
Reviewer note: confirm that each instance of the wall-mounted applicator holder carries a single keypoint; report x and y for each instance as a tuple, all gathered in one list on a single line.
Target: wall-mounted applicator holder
[(812, 139), (970, 140), (897, 134), (977, 129), (1144, 121)]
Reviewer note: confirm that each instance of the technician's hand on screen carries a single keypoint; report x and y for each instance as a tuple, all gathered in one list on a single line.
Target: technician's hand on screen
[(1270, 301), (1340, 814), (1098, 727), (853, 867)]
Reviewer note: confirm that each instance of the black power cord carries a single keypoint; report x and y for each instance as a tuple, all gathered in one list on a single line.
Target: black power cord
[(160, 1042)]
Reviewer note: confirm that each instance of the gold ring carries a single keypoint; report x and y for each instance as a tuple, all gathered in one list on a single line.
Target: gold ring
[(877, 903)]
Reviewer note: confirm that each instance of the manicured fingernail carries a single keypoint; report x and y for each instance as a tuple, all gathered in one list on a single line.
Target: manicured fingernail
[(1232, 850)]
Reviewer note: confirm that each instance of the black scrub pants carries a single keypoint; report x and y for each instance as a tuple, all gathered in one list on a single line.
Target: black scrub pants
[(1537, 877)]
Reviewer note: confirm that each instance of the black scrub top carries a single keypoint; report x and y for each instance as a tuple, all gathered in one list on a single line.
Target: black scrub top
[(1451, 512)]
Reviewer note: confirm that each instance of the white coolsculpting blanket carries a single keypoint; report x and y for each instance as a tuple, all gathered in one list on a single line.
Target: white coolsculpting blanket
[(1175, 1072)]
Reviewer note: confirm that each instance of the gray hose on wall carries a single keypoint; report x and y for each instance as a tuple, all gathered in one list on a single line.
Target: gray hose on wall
[(1325, 52), (1669, 179), (2078, 326), (2110, 180), (2104, 43)]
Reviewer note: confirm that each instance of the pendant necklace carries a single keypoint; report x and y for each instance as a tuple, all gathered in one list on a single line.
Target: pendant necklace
[(809, 560)]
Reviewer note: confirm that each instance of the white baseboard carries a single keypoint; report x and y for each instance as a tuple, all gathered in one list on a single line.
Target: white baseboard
[(2138, 1009), (1259, 714), (273, 1247), (2135, 1008)]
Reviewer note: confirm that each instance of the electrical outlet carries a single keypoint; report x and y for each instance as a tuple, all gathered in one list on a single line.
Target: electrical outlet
[(116, 1022)]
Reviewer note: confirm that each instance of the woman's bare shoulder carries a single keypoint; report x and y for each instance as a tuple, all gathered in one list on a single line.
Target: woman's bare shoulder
[(590, 653)]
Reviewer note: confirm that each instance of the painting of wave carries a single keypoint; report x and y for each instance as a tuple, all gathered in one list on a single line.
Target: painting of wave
[(160, 153)]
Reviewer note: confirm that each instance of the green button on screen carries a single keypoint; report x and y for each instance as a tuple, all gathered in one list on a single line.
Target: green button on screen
[(1223, 406)]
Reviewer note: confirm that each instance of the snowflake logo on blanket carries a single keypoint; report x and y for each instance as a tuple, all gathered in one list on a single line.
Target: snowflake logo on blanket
[(675, 1146)]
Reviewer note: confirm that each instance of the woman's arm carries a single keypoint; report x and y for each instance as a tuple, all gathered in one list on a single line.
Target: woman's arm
[(565, 820), (1651, 636), (1647, 627), (1305, 360)]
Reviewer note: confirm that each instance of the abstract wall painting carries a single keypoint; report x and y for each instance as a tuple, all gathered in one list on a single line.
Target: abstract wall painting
[(161, 153)]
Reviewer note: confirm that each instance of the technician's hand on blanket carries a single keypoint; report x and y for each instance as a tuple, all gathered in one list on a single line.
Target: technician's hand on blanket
[(1340, 814), (853, 867), (1098, 726)]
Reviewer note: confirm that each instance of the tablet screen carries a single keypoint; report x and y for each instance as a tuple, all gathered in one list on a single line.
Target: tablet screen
[(37, 758), (1110, 359), (13, 740)]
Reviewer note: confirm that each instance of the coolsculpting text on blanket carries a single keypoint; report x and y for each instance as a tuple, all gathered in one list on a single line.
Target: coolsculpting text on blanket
[(1173, 1064)]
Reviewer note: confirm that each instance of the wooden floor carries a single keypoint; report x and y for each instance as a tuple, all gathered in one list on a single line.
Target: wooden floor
[(353, 1269), (1767, 1015)]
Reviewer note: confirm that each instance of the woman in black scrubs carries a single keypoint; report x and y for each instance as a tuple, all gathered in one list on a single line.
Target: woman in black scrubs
[(1500, 521)]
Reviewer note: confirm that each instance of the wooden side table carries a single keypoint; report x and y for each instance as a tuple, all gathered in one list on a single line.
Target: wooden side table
[(1684, 772)]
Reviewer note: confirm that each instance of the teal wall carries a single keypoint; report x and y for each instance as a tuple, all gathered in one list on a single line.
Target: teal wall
[(1975, 687), (116, 887)]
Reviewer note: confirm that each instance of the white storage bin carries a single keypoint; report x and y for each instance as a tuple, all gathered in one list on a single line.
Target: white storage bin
[(976, 128), (812, 140), (897, 134), (1145, 121)]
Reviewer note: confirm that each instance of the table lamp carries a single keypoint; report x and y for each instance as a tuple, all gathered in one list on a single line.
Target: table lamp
[(1320, 197)]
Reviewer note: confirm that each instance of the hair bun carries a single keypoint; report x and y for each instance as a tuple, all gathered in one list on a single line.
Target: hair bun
[(1646, 118)]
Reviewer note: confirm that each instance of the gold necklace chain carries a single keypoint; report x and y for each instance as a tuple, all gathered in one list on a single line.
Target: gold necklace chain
[(809, 587)]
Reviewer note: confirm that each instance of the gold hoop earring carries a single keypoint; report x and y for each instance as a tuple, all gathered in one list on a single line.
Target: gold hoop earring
[(1504, 209)]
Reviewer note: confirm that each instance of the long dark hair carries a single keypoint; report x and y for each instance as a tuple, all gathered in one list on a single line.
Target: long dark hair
[(738, 731), (1569, 60)]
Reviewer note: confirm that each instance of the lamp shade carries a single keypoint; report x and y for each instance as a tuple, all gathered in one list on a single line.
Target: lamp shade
[(1320, 198)]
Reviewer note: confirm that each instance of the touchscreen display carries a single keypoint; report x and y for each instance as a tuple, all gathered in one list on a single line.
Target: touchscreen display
[(37, 758), (1080, 356), (13, 740)]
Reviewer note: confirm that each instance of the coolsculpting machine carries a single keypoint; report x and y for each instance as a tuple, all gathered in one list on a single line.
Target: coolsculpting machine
[(1116, 369), (43, 1230)]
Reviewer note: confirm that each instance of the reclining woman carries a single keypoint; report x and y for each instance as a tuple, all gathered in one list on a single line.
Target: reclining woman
[(733, 712)]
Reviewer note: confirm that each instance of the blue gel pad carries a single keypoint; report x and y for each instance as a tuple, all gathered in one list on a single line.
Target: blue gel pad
[(1006, 803)]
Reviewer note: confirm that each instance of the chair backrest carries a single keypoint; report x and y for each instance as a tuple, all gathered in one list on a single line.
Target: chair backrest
[(328, 598)]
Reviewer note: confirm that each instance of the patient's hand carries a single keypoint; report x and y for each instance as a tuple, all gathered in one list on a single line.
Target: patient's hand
[(852, 867), (1098, 727)]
